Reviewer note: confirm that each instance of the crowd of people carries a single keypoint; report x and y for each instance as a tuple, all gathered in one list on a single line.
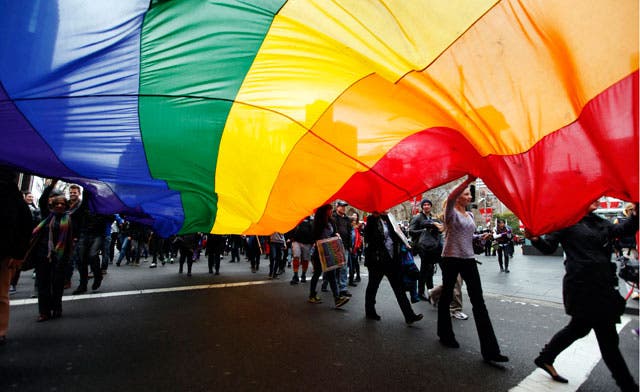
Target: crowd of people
[(61, 235)]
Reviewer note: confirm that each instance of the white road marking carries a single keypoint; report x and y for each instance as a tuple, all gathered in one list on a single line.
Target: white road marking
[(575, 364), (144, 291)]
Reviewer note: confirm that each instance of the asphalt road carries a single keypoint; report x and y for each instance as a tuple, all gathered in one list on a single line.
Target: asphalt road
[(153, 329)]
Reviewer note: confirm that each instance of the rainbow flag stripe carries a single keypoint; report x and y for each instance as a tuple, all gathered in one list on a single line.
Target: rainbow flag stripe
[(244, 116)]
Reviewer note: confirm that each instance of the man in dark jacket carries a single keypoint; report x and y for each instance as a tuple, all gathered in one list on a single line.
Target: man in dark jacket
[(15, 233), (343, 225), (422, 225), (301, 243), (589, 291)]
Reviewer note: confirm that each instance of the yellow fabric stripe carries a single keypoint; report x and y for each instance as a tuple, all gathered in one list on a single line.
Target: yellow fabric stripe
[(329, 46)]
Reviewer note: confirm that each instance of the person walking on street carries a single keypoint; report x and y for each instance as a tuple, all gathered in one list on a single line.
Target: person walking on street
[(324, 227), (589, 291), (382, 256), (503, 237), (51, 248), (301, 244), (458, 258), (343, 226), (426, 232)]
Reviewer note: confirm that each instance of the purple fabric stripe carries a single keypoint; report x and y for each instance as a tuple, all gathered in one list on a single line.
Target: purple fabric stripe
[(20, 140)]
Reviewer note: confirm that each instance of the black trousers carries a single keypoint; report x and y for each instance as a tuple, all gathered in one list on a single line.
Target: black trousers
[(468, 270), (503, 251), (394, 275), (427, 269), (214, 261), (51, 277), (608, 341)]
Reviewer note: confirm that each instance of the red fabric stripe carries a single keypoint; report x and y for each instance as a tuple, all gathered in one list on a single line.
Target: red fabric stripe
[(547, 187)]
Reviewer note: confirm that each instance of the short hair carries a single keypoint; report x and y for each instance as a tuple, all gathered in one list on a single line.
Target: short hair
[(74, 186)]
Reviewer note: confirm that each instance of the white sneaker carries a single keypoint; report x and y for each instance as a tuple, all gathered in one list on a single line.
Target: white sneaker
[(459, 315)]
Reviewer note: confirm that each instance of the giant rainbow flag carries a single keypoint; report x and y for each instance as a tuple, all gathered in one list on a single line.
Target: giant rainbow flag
[(233, 116)]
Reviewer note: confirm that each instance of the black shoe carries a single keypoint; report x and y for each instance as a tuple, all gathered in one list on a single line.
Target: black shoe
[(346, 294), (414, 318), (357, 279), (496, 358), (303, 279), (79, 290), (353, 284), (550, 370), (56, 314), (324, 289), (96, 284), (373, 316), (451, 343)]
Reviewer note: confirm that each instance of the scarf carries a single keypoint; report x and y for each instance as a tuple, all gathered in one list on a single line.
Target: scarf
[(60, 247)]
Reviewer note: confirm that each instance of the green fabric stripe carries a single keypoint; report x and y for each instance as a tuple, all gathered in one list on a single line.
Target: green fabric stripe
[(194, 57)]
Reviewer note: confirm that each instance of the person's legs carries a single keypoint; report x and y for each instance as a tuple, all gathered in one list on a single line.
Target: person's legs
[(295, 253), (106, 260), (506, 252), (123, 250), (576, 329), (375, 277), (333, 282), (216, 261), (57, 287), (15, 278), (488, 342), (82, 262), (184, 255), (273, 262), (450, 271), (395, 279), (96, 243), (500, 251), (317, 271), (211, 261), (44, 273), (5, 280), (342, 275), (609, 341)]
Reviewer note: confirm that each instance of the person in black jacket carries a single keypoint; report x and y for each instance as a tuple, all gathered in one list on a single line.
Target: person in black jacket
[(14, 239), (589, 291), (301, 243), (382, 256), (423, 224)]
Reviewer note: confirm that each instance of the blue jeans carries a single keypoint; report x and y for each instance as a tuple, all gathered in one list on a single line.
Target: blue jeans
[(123, 249), (92, 244), (275, 255)]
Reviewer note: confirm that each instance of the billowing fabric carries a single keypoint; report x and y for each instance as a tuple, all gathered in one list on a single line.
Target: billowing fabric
[(243, 116)]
